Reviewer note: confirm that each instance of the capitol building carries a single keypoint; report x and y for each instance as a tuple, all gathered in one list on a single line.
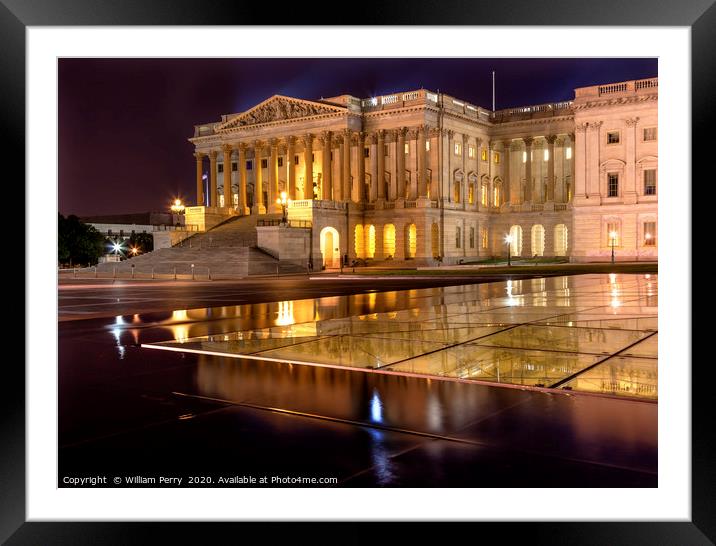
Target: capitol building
[(424, 176)]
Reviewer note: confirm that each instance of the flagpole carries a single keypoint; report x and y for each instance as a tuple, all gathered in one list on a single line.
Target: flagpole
[(493, 90)]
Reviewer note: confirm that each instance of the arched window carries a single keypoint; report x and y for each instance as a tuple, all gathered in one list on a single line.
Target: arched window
[(389, 240), (411, 240), (516, 244), (359, 241), (456, 191), (369, 241), (561, 242), (435, 240), (538, 240)]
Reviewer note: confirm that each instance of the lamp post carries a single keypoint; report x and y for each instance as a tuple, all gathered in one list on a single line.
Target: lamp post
[(508, 240), (283, 201), (177, 206), (612, 242)]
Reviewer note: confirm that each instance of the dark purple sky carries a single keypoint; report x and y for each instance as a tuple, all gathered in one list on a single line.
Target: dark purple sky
[(124, 123)]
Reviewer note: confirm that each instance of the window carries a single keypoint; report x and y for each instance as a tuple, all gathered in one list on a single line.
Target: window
[(649, 233), (496, 196), (546, 155), (472, 237), (249, 165), (458, 237), (612, 234), (458, 148), (407, 148), (280, 161), (471, 194), (457, 190), (497, 157), (650, 182), (427, 145), (568, 152), (484, 154), (483, 194), (649, 133), (366, 152), (613, 137), (220, 167), (234, 167), (484, 237), (613, 185), (296, 159), (524, 157), (264, 163), (471, 152)]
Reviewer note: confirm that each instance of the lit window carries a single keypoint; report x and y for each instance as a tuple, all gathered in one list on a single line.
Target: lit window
[(546, 155), (472, 237), (407, 148), (568, 153), (427, 145), (613, 137), (471, 194), (613, 185), (483, 237), (496, 196), (484, 154), (457, 190), (458, 148), (650, 133), (458, 237), (524, 157), (613, 234), (650, 182), (483, 194), (471, 152), (497, 157), (649, 233)]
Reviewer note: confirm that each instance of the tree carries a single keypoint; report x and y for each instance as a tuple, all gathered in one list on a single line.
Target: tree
[(78, 243), (144, 242)]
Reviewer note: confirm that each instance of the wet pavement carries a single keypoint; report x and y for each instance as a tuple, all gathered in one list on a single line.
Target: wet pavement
[(128, 410)]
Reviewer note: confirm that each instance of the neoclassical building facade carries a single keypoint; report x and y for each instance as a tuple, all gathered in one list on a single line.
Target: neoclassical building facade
[(426, 176)]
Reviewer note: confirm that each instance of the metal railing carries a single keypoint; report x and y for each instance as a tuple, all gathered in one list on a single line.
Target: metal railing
[(263, 222), (188, 272)]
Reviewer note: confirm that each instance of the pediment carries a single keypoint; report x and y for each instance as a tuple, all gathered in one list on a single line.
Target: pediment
[(280, 108)]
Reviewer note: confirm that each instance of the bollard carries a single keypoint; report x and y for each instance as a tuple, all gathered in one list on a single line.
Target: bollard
[(175, 273), (95, 272), (132, 270), (152, 272), (208, 273), (192, 272), (74, 272), (114, 275), (277, 270)]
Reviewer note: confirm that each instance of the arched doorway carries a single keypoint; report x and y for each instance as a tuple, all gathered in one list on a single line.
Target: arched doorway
[(369, 241), (561, 241), (389, 240), (359, 241), (330, 247), (411, 240), (538, 240), (516, 244)]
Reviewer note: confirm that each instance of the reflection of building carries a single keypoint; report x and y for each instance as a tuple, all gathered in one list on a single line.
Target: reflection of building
[(417, 175), (123, 226)]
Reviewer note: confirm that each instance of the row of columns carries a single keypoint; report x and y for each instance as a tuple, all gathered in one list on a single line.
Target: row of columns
[(330, 190), (551, 178)]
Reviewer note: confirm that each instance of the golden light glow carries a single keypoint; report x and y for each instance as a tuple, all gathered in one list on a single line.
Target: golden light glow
[(389, 240)]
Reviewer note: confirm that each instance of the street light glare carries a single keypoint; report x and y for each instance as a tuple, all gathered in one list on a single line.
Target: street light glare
[(508, 238)]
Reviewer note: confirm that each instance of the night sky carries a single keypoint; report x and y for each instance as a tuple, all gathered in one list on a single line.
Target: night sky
[(124, 123)]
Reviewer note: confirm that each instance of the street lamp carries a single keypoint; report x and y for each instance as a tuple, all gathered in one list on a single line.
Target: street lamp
[(508, 240), (612, 242), (283, 201), (177, 207), (134, 250)]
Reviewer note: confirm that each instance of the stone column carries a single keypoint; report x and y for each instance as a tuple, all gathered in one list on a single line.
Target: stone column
[(241, 158), (213, 174), (400, 163), (259, 205), (326, 167), (572, 169), (593, 158), (273, 195), (579, 160), (291, 167), (308, 164), (422, 174), (630, 193), (373, 193), (228, 201), (550, 167), (528, 169), (361, 168), (346, 164), (380, 162), (199, 179), (506, 183)]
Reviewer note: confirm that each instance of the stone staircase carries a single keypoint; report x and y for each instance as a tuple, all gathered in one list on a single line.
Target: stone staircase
[(227, 250)]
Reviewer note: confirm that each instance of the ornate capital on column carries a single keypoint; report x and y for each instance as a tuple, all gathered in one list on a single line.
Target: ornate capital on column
[(631, 122), (380, 134), (273, 142), (528, 141), (241, 147), (550, 139), (465, 138), (199, 156), (581, 127), (370, 138), (326, 136), (594, 126), (307, 139), (290, 140), (213, 154), (506, 144), (571, 136), (282, 149)]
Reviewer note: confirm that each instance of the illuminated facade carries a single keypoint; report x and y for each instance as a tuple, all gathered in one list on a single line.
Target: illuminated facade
[(425, 176)]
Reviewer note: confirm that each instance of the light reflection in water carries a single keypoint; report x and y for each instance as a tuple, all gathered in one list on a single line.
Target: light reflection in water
[(376, 408), (285, 313)]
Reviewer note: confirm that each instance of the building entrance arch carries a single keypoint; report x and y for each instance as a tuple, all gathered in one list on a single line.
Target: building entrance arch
[(330, 247)]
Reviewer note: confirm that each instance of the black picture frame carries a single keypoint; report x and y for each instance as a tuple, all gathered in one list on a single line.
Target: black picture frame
[(16, 15)]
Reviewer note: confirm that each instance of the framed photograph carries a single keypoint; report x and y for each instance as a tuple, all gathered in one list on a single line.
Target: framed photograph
[(358, 274)]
